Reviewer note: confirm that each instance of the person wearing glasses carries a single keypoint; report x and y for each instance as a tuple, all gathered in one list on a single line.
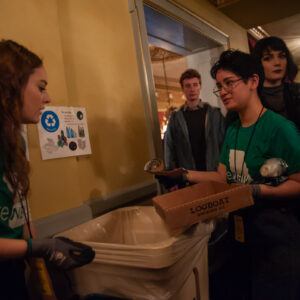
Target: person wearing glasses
[(265, 261), (23, 94), (279, 92)]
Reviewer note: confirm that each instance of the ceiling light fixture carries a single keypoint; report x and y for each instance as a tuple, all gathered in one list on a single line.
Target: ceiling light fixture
[(258, 32), (263, 31)]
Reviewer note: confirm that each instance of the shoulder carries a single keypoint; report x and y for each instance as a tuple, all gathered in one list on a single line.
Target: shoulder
[(279, 124), (176, 113), (175, 118), (234, 125), (295, 86), (294, 89), (212, 109), (232, 129), (271, 116)]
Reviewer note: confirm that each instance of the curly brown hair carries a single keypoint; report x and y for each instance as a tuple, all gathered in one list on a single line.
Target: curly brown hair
[(16, 65)]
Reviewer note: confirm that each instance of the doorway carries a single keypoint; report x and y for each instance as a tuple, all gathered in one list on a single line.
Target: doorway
[(172, 41)]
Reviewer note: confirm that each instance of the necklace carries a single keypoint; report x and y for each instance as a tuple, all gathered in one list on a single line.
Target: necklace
[(249, 142)]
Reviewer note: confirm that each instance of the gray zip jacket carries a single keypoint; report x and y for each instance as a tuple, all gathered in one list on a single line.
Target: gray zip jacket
[(177, 146)]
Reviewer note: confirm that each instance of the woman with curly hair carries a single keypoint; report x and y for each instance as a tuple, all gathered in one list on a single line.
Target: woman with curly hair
[(23, 81)]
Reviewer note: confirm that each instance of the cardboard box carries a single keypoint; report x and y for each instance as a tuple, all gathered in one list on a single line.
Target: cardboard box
[(201, 201)]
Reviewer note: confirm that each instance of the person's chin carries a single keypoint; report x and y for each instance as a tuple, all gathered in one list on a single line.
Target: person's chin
[(230, 106), (277, 77), (35, 120), (193, 100)]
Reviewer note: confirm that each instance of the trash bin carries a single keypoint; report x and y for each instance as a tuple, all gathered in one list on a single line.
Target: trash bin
[(138, 257)]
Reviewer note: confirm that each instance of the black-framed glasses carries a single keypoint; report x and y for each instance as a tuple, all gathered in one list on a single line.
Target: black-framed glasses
[(228, 86)]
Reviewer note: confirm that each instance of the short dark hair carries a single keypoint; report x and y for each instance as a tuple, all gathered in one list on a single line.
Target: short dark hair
[(239, 63), (188, 74), (277, 44)]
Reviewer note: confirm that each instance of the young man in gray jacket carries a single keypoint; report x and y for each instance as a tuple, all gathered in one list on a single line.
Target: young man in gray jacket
[(193, 140), (196, 130)]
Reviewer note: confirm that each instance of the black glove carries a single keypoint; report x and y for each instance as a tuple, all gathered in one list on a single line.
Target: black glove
[(169, 182), (62, 252)]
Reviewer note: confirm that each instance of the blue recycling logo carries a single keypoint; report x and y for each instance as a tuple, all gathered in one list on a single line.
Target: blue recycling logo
[(50, 121)]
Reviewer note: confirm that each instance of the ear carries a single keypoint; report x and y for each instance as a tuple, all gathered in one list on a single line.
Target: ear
[(254, 81)]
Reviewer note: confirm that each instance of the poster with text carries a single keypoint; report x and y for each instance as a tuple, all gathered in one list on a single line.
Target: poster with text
[(63, 132)]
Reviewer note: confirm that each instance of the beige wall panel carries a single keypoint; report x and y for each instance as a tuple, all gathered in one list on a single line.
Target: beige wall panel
[(209, 13), (102, 75)]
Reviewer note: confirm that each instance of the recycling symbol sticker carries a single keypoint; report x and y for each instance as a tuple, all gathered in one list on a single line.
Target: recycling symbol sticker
[(50, 121)]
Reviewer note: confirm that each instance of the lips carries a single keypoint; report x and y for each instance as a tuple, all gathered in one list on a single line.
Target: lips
[(226, 100)]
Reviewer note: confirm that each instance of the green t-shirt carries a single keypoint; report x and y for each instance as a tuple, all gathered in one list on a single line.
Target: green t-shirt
[(11, 212), (274, 137)]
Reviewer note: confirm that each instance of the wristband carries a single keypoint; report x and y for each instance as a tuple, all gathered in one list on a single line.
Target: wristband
[(29, 247), (255, 190)]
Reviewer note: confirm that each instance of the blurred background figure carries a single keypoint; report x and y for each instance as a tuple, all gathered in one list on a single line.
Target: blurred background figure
[(280, 93), (195, 131)]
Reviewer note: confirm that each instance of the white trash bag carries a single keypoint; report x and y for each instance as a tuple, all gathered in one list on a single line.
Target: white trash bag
[(137, 256)]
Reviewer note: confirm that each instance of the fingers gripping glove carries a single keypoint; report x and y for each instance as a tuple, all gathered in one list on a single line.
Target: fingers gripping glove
[(64, 253)]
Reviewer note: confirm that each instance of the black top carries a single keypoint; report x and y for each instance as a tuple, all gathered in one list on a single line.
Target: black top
[(195, 121), (274, 99)]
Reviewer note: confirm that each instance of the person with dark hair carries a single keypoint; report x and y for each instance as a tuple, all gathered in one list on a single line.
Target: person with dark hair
[(265, 262), (279, 91), (195, 131), (23, 81)]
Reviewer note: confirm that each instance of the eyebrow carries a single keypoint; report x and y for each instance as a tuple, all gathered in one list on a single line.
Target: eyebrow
[(269, 52), (44, 81), (229, 77)]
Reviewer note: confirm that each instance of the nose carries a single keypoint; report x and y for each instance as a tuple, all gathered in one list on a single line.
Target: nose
[(276, 60), (46, 98), (222, 91)]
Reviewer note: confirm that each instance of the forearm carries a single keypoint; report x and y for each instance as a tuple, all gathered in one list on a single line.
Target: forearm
[(287, 190), (197, 176), (12, 248)]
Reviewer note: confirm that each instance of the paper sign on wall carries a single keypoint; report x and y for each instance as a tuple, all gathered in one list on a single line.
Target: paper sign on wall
[(63, 132)]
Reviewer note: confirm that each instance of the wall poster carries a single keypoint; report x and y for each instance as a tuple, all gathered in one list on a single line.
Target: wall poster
[(63, 132)]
